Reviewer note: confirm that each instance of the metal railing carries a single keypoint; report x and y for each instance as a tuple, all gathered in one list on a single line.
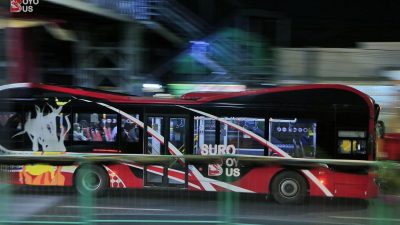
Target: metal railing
[(39, 205)]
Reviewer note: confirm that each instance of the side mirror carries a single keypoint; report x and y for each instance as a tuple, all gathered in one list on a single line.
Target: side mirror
[(380, 129)]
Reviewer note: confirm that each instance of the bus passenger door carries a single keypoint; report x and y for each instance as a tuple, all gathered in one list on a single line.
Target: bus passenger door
[(166, 135), (154, 174), (178, 146)]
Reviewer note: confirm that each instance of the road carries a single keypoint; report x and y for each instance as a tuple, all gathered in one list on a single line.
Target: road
[(40, 205)]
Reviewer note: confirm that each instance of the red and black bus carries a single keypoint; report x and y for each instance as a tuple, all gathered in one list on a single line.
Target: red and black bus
[(317, 121)]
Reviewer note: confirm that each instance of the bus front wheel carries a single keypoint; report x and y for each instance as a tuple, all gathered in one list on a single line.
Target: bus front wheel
[(91, 180), (289, 187)]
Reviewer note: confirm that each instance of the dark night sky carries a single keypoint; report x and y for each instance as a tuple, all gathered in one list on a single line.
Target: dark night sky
[(333, 23), (336, 23), (342, 23)]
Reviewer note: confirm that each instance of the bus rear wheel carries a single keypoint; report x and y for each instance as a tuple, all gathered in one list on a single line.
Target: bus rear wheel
[(289, 187), (91, 180)]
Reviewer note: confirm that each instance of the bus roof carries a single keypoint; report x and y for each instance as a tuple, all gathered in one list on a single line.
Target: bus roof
[(194, 97)]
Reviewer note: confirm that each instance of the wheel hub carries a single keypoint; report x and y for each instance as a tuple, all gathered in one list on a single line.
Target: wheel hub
[(91, 181), (289, 188)]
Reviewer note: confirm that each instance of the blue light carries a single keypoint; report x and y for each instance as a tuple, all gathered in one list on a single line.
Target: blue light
[(137, 9), (199, 47)]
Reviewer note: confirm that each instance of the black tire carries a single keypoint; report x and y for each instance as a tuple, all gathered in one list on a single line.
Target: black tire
[(289, 187), (91, 180)]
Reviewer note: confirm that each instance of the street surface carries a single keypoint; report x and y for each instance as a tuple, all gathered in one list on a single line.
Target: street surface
[(38, 205)]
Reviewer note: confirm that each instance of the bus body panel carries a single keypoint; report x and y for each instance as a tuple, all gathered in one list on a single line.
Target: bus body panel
[(42, 175), (122, 176), (257, 180)]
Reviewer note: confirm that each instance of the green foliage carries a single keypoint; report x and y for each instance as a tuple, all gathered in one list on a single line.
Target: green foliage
[(389, 177)]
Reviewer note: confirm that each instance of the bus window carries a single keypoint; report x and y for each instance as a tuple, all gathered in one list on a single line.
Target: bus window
[(35, 128), (5, 118), (352, 142), (153, 144), (296, 137), (130, 130), (204, 133), (12, 123), (243, 143), (11, 120), (62, 127), (177, 134), (94, 127)]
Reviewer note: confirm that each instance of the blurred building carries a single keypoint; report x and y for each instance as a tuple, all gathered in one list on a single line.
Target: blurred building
[(364, 64), (372, 67)]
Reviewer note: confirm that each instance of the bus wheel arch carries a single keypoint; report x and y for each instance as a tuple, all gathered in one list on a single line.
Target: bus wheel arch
[(289, 187), (91, 179)]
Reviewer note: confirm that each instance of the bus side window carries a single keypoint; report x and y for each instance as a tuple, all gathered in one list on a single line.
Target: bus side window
[(129, 130), (11, 120), (296, 137), (177, 133), (244, 143), (204, 133), (94, 127), (12, 123)]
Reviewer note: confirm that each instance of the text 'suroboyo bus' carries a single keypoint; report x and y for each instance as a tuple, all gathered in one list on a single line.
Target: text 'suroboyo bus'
[(318, 121)]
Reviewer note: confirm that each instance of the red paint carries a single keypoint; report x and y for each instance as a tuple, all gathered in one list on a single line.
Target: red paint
[(15, 6), (258, 179), (109, 97), (69, 179), (371, 186), (193, 180), (392, 146), (218, 188), (180, 175), (324, 175), (157, 169), (126, 175), (351, 185), (98, 150), (199, 95)]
